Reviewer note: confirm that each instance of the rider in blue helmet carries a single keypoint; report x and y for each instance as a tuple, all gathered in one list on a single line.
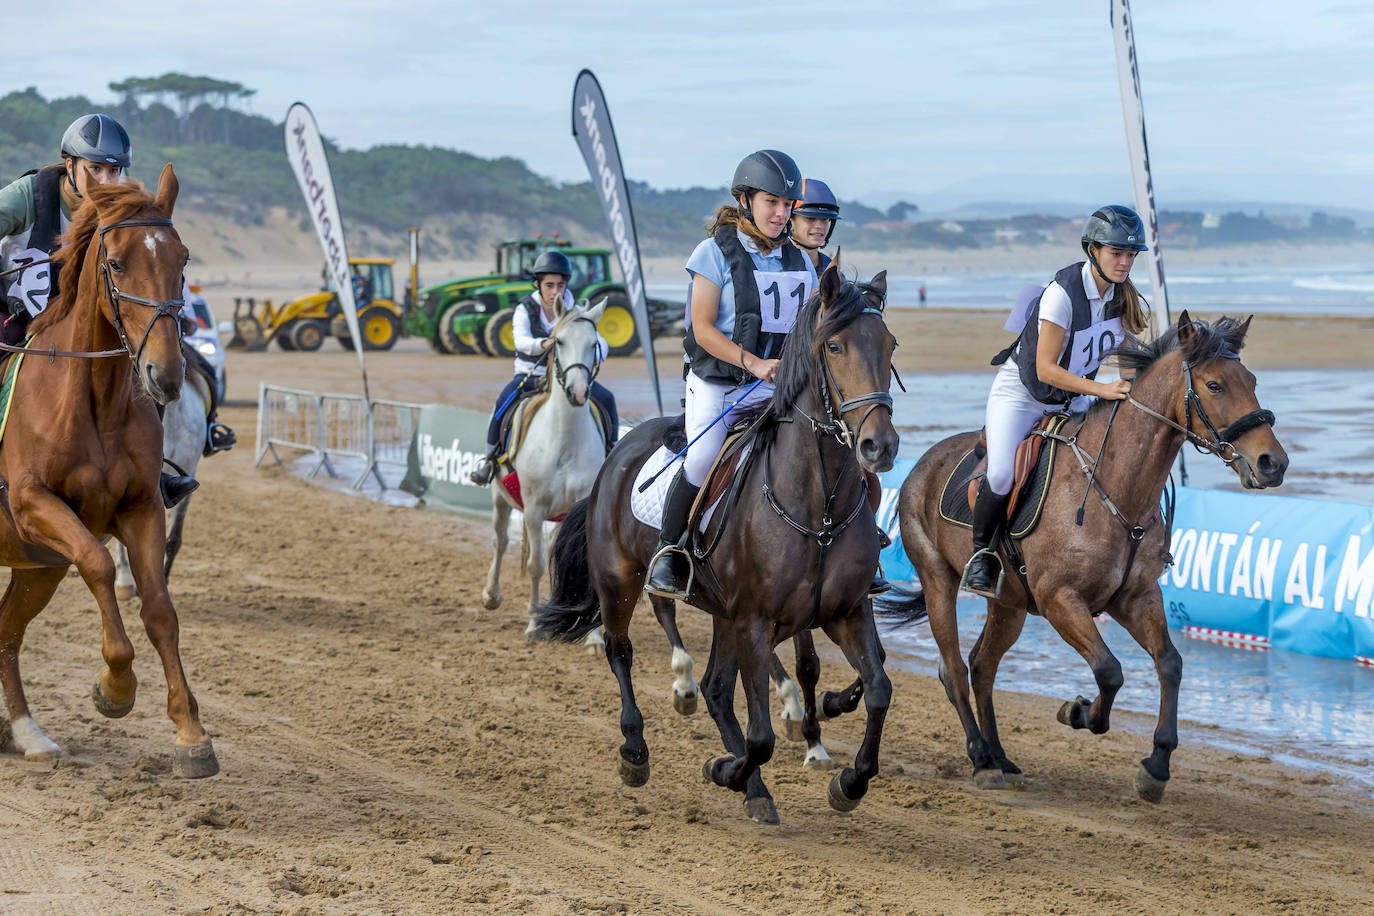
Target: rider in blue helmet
[(813, 221)]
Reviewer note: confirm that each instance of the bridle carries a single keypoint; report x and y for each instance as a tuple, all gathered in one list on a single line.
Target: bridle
[(835, 423), (171, 308), (560, 370), (1222, 443)]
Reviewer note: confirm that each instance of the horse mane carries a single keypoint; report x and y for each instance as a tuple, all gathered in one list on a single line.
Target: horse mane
[(1208, 341), (112, 202), (802, 346)]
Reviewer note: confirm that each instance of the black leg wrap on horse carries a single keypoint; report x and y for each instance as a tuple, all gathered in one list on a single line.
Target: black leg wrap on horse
[(175, 488), (666, 574), (989, 513)]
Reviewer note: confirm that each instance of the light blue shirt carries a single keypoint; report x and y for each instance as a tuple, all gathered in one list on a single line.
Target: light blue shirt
[(709, 261)]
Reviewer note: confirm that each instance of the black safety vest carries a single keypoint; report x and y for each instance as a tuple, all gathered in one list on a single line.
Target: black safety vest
[(748, 314), (1023, 349), (46, 231)]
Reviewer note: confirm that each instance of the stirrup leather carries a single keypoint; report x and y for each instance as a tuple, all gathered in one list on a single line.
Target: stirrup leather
[(1001, 573), (681, 594)]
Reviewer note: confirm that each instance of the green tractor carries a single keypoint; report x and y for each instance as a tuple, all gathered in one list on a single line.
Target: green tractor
[(473, 314)]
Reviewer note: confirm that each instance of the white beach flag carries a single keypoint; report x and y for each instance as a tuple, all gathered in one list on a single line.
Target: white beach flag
[(305, 149)]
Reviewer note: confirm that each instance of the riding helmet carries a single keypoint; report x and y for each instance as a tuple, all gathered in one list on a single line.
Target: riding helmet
[(552, 262), (98, 138), (1116, 227), (770, 171), (817, 200)]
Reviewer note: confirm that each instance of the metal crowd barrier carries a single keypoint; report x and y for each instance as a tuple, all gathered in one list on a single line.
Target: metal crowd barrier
[(329, 426)]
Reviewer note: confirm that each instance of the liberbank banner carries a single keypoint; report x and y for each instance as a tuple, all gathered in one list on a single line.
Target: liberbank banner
[(591, 124), (1277, 571), (448, 444)]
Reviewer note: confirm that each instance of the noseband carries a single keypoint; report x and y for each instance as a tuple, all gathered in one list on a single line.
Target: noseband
[(171, 308), (560, 370)]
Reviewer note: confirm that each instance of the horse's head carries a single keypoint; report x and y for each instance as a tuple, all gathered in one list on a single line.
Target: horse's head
[(575, 356), (1219, 403), (854, 349), (140, 259)]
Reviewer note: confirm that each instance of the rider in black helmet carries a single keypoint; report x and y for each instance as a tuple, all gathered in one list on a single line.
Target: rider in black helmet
[(1074, 323), (533, 321), (37, 208)]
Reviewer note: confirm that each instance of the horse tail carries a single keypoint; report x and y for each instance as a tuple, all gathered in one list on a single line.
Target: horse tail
[(901, 607), (572, 610)]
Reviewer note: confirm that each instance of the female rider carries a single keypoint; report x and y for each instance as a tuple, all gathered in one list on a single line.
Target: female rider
[(533, 321), (732, 339), (1071, 327), (36, 208), (813, 221)]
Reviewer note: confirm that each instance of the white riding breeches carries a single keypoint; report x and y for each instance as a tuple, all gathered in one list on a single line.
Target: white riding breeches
[(705, 402), (1011, 414)]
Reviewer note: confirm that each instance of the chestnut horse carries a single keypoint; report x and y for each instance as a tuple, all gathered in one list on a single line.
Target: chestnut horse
[(797, 551), (1107, 556), (82, 450)]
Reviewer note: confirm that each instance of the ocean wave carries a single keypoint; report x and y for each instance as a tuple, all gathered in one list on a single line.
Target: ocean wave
[(1355, 283)]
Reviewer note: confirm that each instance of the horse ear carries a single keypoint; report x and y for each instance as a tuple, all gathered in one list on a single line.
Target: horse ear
[(879, 283), (1185, 326), (596, 311), (831, 281), (1244, 328), (167, 187)]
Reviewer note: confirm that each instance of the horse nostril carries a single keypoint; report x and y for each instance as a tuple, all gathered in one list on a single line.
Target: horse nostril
[(869, 449), (1269, 466)]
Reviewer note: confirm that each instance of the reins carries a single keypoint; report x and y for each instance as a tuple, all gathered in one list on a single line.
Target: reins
[(168, 307)]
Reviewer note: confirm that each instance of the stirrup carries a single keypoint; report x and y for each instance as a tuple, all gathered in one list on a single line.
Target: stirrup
[(483, 473), (218, 438), (677, 595), (996, 591)]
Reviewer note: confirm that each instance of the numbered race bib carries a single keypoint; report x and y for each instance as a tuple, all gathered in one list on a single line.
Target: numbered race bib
[(31, 286), (781, 294), (1091, 345)]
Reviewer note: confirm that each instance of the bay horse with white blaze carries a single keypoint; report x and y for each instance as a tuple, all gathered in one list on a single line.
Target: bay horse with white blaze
[(798, 549), (82, 451), (1105, 557)]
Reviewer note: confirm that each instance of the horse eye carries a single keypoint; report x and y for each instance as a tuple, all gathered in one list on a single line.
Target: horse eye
[(114, 265), (834, 347), (1214, 387)]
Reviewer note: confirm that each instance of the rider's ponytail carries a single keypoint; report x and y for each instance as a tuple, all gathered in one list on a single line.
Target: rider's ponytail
[(1135, 314), (729, 215)]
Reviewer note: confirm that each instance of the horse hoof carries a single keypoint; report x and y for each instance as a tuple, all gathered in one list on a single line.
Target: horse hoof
[(989, 779), (793, 730), (108, 707), (761, 810), (821, 762), (195, 762), (1015, 780), (1066, 716), (685, 705), (491, 602), (534, 635), (634, 775), (838, 800), (1147, 787), (125, 592), (710, 765), (6, 735)]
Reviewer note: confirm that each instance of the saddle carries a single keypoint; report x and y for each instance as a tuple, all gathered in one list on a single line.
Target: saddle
[(516, 422), (727, 463), (1033, 468)]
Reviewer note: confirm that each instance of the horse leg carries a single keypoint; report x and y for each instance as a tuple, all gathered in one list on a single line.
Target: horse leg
[(29, 592), (808, 674), (941, 591), (739, 769), (684, 685), (124, 579), (142, 531), (618, 599), (1073, 621), (532, 553), (1000, 632), (1146, 623), (500, 523), (857, 637), (789, 694), (176, 522)]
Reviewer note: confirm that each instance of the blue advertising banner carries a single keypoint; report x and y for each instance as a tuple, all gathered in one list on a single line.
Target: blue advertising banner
[(1257, 571)]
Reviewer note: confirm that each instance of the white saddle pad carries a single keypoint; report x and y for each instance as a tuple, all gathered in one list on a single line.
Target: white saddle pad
[(648, 506)]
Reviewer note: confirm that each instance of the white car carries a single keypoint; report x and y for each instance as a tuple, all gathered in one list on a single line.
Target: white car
[(205, 336)]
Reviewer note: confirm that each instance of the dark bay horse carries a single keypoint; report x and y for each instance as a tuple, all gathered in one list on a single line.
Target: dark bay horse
[(797, 551), (1189, 384), (82, 450)]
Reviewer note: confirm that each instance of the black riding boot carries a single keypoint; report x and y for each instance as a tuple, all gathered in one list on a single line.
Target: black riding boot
[(665, 578), (481, 474), (175, 488), (989, 513)]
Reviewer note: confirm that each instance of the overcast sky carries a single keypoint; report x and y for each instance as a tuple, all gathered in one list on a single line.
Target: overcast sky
[(1244, 99)]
